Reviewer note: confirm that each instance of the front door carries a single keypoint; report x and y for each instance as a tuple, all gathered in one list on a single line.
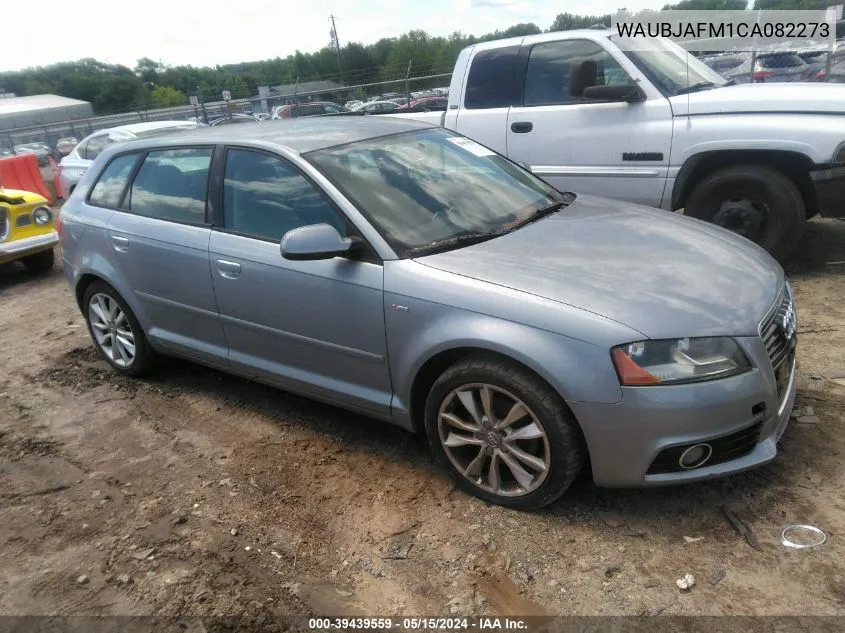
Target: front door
[(316, 327), (619, 150)]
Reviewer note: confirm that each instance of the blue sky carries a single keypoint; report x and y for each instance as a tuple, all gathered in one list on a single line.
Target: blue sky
[(210, 32)]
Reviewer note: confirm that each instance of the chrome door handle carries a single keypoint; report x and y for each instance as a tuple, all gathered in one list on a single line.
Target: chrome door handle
[(121, 244), (227, 269)]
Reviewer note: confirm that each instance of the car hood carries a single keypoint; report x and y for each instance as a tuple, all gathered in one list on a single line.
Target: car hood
[(656, 272), (761, 97)]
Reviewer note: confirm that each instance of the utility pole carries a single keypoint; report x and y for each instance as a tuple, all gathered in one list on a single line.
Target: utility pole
[(336, 43)]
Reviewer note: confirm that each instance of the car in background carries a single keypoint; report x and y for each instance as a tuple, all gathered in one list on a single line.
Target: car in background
[(837, 69), (41, 151), (377, 107), (769, 67), (815, 59), (408, 273), (311, 108), (64, 146), (27, 230), (353, 105), (73, 166), (426, 104), (5, 152), (235, 118)]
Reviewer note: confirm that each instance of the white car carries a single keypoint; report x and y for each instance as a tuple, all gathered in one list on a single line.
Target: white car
[(377, 107), (74, 165)]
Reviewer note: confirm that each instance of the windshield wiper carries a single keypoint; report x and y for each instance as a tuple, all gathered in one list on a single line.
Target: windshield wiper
[(456, 241), (539, 213), (704, 85)]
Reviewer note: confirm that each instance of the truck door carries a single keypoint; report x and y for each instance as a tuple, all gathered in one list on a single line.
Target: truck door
[(614, 149), (483, 115)]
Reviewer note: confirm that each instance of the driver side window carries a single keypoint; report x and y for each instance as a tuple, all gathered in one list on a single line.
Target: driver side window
[(265, 197), (556, 75)]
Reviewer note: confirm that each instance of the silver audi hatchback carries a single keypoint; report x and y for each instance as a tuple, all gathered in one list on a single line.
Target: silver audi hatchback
[(408, 273)]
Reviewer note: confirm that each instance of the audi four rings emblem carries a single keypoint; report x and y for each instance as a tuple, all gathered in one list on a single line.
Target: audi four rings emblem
[(788, 322)]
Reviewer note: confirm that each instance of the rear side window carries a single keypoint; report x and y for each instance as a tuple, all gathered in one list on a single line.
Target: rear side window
[(112, 182), (172, 185), (96, 145), (490, 78), (722, 64)]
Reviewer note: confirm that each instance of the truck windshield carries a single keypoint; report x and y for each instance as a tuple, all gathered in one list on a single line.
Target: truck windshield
[(673, 70), (429, 190)]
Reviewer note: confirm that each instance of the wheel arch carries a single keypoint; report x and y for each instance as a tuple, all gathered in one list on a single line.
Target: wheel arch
[(435, 365), (793, 164)]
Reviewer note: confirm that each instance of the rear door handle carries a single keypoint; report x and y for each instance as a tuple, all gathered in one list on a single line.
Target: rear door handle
[(121, 244), (521, 127), (227, 269)]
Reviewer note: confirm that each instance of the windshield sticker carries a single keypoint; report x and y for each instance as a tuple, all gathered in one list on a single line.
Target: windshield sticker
[(470, 145)]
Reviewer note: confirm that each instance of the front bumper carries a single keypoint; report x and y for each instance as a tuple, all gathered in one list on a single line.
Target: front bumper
[(16, 249), (625, 438), (829, 185)]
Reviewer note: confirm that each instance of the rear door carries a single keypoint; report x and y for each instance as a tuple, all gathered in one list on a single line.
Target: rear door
[(483, 115), (159, 238), (619, 150)]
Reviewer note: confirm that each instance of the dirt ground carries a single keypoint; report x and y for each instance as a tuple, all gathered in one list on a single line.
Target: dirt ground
[(196, 493)]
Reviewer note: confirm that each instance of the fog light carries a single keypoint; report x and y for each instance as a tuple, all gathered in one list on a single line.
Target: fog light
[(42, 215), (695, 456)]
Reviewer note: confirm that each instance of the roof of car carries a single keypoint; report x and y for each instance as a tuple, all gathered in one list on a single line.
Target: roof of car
[(300, 135)]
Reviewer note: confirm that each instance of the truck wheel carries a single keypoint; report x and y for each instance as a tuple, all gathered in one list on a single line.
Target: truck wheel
[(40, 262), (502, 433), (755, 201)]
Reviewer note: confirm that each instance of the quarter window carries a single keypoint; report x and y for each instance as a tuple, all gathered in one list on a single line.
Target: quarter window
[(265, 197), (172, 185), (490, 78), (109, 188), (549, 77)]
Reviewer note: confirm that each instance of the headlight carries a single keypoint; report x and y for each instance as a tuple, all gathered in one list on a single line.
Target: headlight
[(42, 215), (678, 361)]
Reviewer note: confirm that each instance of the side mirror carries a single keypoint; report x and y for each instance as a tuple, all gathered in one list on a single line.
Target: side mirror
[(629, 93), (317, 241)]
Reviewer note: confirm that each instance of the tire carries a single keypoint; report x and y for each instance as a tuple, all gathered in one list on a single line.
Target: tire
[(144, 358), (39, 262), (775, 202), (560, 448)]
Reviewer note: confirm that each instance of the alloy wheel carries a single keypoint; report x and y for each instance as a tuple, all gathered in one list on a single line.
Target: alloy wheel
[(112, 330), (494, 439)]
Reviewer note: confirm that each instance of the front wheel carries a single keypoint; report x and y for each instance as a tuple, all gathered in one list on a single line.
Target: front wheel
[(755, 201), (503, 434)]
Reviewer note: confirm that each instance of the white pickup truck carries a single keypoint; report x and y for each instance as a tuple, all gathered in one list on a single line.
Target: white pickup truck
[(656, 127)]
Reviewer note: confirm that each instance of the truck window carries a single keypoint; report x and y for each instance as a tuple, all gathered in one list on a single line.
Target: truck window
[(490, 77), (549, 65)]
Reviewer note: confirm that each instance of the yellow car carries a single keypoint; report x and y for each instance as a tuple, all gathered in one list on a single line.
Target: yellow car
[(27, 230)]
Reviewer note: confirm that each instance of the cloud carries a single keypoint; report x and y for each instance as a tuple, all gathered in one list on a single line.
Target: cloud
[(480, 4)]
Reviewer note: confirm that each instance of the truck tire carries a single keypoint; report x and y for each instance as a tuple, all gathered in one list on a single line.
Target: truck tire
[(755, 201), (503, 434)]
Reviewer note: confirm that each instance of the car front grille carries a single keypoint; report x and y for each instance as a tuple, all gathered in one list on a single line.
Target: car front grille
[(724, 449), (778, 331), (4, 224)]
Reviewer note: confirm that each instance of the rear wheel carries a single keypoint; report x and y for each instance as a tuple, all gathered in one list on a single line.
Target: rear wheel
[(116, 332), (39, 262), (503, 434), (755, 201)]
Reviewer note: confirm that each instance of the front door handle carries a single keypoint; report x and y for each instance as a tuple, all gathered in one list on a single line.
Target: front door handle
[(227, 269), (121, 244), (521, 127)]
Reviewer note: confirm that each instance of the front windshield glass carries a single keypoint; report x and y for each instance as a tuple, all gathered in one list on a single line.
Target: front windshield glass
[(423, 187), (672, 69)]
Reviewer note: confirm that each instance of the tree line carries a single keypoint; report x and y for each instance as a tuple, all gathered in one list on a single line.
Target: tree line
[(113, 88)]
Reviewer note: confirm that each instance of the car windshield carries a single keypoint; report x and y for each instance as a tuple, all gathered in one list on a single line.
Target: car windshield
[(673, 70), (421, 189)]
